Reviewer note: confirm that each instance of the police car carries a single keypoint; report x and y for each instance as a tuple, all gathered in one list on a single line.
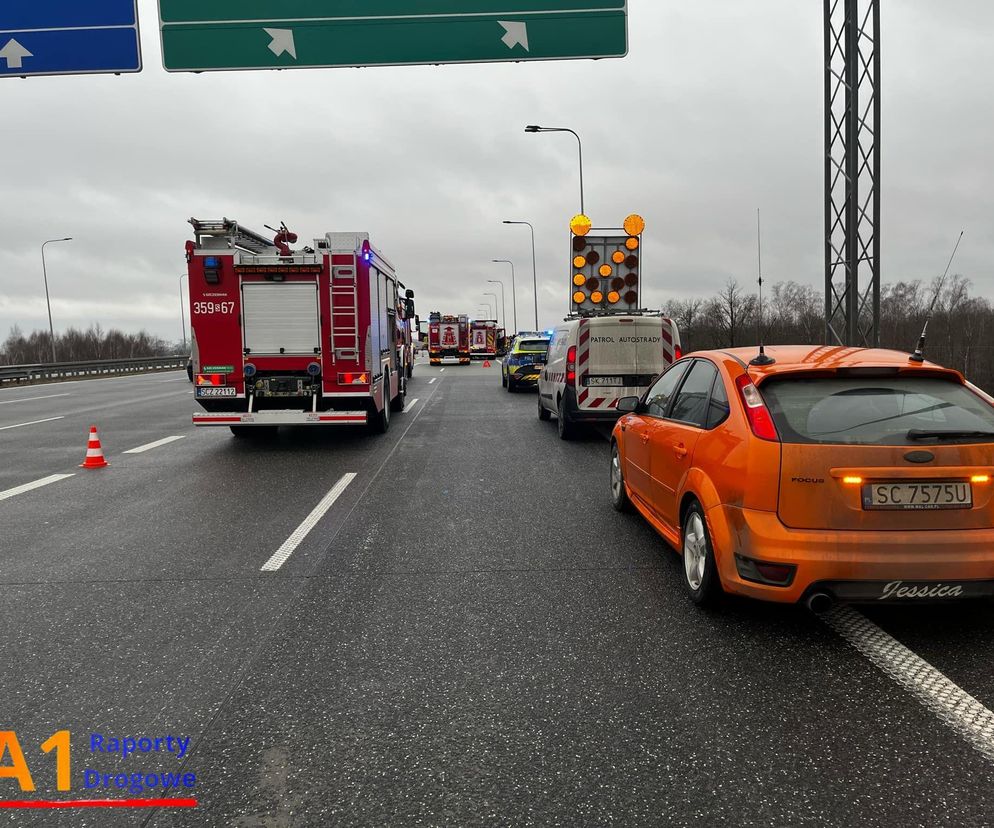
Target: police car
[(525, 360)]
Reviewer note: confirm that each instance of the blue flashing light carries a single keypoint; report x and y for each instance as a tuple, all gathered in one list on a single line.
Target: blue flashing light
[(212, 261)]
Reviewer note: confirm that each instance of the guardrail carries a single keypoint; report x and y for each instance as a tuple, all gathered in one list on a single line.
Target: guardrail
[(16, 374)]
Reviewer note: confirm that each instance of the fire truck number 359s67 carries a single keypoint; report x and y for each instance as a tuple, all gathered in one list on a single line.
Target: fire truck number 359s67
[(318, 336)]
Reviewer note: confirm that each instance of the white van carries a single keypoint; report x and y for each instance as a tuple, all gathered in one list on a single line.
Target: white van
[(595, 361)]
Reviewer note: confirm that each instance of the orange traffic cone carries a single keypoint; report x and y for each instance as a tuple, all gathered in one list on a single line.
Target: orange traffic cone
[(94, 454), (486, 363)]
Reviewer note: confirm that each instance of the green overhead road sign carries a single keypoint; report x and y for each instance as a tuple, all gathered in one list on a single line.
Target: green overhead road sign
[(198, 36)]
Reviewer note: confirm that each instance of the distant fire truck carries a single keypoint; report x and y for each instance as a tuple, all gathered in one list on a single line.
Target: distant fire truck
[(317, 336), (448, 337), (483, 339)]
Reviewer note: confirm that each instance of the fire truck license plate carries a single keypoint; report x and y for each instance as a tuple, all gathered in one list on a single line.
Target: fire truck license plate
[(217, 391)]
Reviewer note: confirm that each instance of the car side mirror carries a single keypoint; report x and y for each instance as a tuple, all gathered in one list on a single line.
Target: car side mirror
[(627, 405)]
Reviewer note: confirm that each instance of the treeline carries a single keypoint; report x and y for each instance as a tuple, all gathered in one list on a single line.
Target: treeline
[(80, 346), (960, 333)]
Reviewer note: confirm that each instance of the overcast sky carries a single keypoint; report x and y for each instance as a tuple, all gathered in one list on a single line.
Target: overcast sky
[(717, 110)]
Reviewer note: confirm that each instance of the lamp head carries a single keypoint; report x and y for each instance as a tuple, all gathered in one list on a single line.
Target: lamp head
[(533, 128)]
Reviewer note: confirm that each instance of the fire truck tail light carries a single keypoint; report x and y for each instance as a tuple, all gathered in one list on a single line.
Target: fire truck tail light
[(210, 379), (353, 379), (571, 365)]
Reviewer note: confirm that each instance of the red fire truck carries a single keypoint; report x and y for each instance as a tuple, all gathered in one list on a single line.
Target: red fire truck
[(448, 336), (483, 339), (317, 336)]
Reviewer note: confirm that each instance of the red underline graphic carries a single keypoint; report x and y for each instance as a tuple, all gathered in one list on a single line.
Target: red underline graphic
[(98, 803)]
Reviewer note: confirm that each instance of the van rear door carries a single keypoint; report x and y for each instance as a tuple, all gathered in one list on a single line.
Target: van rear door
[(625, 353)]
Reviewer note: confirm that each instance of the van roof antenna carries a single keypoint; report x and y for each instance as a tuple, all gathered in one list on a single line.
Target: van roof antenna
[(762, 358), (919, 354)]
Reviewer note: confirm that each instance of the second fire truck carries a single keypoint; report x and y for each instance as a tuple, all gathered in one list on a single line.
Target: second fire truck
[(448, 337), (318, 336)]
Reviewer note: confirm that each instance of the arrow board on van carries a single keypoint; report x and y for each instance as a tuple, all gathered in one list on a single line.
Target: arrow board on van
[(227, 35)]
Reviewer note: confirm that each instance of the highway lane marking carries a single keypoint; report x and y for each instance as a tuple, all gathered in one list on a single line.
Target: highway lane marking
[(33, 422), (291, 543), (410, 405), (153, 445), (951, 703), (441, 370), (29, 399), (432, 380), (37, 484)]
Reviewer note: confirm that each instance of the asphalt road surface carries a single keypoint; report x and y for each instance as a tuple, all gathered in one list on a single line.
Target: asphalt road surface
[(468, 635)]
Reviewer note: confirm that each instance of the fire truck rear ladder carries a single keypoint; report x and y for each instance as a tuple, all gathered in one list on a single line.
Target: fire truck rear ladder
[(344, 313), (237, 236)]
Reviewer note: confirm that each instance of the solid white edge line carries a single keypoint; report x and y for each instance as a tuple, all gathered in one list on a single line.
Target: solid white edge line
[(30, 399), (291, 543), (951, 703), (37, 484), (153, 445), (33, 422)]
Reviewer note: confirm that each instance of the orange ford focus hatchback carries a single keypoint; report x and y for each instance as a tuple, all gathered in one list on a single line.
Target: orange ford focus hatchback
[(829, 474)]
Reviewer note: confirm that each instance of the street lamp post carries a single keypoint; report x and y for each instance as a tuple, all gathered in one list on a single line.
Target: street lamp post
[(534, 269), (514, 292), (503, 304), (182, 315), (496, 306), (48, 303), (534, 128)]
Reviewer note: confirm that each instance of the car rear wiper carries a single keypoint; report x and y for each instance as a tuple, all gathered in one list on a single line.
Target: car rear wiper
[(928, 434)]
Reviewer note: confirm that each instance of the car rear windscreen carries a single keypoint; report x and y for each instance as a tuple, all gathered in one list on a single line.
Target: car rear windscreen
[(887, 411), (534, 346)]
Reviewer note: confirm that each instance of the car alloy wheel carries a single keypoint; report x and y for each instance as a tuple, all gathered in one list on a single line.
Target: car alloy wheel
[(619, 497), (700, 570), (695, 551)]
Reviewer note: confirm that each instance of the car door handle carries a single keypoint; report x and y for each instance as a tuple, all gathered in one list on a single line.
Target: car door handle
[(680, 450)]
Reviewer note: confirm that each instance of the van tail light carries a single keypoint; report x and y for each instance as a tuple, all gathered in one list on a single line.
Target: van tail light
[(677, 353), (571, 365), (759, 416)]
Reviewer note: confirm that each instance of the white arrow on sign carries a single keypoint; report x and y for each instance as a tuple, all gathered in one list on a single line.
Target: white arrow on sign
[(515, 34), (282, 42), (14, 52)]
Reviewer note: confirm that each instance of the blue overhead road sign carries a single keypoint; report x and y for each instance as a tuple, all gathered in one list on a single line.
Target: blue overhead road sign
[(68, 37)]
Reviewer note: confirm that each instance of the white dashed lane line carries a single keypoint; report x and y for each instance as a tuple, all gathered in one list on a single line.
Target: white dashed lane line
[(411, 404), (37, 484), (433, 379), (31, 399), (286, 550), (441, 370), (951, 703), (153, 445), (33, 422)]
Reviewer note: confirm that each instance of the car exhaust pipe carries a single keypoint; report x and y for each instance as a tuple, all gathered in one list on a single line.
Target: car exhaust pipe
[(819, 602)]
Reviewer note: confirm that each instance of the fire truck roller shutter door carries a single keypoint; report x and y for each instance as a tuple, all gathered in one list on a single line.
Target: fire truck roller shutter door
[(281, 317)]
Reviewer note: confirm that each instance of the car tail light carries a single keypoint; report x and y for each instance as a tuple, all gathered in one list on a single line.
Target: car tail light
[(571, 365), (980, 478), (353, 379), (759, 416)]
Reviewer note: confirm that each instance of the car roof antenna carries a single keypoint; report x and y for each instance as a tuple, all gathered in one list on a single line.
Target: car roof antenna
[(762, 358), (919, 354)]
